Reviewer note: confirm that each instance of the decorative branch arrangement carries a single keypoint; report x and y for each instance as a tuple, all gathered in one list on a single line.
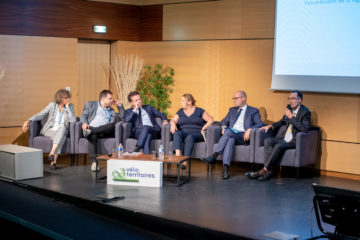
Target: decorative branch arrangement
[(2, 71), (126, 70)]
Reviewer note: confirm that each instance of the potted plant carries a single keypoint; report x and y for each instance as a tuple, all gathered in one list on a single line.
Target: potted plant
[(155, 85)]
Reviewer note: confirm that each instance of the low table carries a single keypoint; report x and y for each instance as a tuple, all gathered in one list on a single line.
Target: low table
[(168, 159)]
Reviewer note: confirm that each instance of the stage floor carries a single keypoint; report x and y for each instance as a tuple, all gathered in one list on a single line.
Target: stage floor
[(237, 206)]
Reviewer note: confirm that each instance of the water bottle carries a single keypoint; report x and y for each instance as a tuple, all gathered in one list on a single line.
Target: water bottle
[(161, 152), (120, 151)]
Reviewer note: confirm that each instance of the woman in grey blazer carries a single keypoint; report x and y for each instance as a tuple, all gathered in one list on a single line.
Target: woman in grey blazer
[(60, 114)]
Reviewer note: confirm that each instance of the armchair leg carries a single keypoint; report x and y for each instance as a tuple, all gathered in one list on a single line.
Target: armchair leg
[(84, 158)]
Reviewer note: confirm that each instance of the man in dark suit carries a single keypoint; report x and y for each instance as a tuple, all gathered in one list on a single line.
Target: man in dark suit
[(236, 127), (297, 118), (144, 126), (98, 121)]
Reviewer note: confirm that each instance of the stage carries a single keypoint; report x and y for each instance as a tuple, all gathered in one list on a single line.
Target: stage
[(70, 203)]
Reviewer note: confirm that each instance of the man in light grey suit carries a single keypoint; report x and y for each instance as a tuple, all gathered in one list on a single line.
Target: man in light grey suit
[(236, 127), (98, 121)]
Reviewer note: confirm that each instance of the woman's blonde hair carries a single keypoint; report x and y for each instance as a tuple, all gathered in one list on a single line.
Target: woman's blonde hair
[(190, 98), (60, 94)]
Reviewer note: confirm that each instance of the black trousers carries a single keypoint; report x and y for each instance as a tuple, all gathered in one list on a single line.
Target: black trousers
[(105, 131), (274, 149)]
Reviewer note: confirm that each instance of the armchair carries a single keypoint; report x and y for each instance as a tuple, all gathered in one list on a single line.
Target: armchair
[(130, 143), (45, 143), (305, 153)]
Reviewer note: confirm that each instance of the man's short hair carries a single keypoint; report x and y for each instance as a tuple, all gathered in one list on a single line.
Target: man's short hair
[(299, 94), (104, 93), (131, 94)]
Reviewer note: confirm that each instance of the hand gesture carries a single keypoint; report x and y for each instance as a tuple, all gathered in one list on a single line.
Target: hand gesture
[(288, 113), (247, 134), (116, 102), (267, 127), (85, 126), (25, 126)]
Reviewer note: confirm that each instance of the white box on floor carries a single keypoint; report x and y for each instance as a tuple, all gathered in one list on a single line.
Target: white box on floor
[(18, 162)]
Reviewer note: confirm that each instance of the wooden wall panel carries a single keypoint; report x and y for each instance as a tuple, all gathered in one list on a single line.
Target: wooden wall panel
[(37, 67), (75, 18), (13, 136), (227, 19), (151, 22), (94, 61)]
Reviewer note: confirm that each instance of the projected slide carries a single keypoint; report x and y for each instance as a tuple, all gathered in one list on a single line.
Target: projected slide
[(317, 46)]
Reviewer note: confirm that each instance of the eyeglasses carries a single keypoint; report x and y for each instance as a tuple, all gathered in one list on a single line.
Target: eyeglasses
[(236, 98), (293, 98)]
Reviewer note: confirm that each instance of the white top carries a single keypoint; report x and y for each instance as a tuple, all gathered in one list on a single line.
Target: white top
[(239, 124), (59, 119), (102, 117)]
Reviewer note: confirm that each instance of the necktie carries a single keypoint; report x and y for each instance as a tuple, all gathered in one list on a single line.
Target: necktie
[(140, 118), (238, 114), (288, 135)]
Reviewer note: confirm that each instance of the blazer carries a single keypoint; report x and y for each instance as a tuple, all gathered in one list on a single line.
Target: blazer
[(90, 110), (133, 118), (301, 123), (252, 118), (50, 111)]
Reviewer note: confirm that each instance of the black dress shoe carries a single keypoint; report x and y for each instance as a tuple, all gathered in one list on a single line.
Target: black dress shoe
[(137, 148), (51, 158), (209, 160), (266, 176), (225, 172), (253, 175)]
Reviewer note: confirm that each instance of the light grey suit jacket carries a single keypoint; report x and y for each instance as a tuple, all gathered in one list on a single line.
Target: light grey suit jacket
[(90, 110), (50, 111)]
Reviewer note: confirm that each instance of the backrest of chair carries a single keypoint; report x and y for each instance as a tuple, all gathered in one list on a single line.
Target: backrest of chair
[(43, 121)]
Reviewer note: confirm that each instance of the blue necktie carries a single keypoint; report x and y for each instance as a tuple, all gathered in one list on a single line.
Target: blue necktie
[(238, 114), (140, 118)]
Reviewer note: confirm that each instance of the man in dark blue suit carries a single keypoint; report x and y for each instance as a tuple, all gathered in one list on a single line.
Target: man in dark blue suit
[(144, 126), (236, 127)]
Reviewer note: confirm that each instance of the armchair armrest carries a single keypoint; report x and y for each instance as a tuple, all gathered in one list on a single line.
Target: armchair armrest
[(252, 144), (166, 137), (306, 148), (213, 134), (259, 138), (126, 132), (118, 133), (77, 135), (72, 136), (34, 131)]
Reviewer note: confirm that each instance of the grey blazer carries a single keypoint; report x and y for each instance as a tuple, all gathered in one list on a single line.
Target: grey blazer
[(50, 111), (90, 110)]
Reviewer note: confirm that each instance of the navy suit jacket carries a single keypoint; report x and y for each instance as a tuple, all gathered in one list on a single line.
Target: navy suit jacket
[(252, 118), (134, 118)]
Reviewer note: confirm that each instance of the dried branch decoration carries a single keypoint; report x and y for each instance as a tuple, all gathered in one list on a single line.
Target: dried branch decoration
[(126, 70)]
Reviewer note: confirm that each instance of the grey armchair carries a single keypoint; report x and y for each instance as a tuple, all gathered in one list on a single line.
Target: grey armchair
[(45, 143), (201, 149), (130, 143), (243, 153), (305, 153), (104, 145)]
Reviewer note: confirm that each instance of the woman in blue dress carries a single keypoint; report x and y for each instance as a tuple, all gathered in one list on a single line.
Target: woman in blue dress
[(187, 126)]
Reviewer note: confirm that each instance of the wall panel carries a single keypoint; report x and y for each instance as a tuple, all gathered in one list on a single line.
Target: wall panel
[(227, 19), (36, 68)]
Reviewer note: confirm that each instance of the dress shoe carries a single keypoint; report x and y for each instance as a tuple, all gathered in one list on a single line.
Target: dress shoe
[(266, 176), (137, 149), (86, 132), (51, 158), (209, 160), (53, 166), (225, 172), (93, 167)]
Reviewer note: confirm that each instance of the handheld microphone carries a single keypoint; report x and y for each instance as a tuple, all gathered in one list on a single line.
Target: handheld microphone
[(288, 107)]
